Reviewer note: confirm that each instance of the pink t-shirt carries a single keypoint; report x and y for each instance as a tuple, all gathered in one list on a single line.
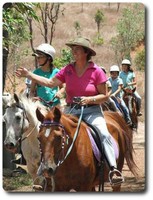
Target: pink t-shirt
[(84, 85)]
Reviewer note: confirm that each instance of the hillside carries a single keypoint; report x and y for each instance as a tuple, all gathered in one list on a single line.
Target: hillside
[(84, 14)]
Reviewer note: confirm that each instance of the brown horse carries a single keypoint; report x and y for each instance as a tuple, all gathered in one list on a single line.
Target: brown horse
[(131, 103), (76, 168)]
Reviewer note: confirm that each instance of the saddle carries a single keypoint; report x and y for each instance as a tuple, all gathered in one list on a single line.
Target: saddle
[(96, 144)]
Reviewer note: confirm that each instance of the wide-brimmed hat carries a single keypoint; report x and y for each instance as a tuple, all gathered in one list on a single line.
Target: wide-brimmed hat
[(84, 42)]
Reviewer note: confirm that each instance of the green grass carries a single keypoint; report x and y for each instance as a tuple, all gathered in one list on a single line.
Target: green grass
[(14, 182)]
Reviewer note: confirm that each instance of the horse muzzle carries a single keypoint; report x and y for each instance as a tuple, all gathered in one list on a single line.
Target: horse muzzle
[(11, 148), (46, 171)]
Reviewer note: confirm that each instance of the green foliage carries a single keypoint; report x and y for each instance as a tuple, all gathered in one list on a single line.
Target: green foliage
[(131, 30), (15, 23), (98, 40), (66, 57), (16, 182), (99, 18), (140, 60), (77, 28)]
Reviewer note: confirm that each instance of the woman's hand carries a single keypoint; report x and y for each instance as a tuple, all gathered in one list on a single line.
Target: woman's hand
[(22, 72), (59, 95), (85, 100)]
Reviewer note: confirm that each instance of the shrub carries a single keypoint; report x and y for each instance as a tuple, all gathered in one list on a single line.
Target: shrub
[(140, 60), (66, 57)]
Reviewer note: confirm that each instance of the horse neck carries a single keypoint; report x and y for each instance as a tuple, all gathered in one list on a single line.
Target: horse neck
[(33, 121), (70, 127)]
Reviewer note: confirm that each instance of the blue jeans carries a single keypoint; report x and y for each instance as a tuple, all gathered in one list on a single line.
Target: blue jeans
[(125, 110), (138, 99), (94, 116)]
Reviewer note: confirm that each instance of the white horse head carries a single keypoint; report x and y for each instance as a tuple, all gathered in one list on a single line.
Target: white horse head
[(16, 123), (22, 128)]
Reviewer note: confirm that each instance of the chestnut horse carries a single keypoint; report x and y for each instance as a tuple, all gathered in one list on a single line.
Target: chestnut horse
[(76, 168), (131, 103)]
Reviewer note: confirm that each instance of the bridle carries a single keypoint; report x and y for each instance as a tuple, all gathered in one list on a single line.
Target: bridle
[(24, 115), (65, 138), (131, 99)]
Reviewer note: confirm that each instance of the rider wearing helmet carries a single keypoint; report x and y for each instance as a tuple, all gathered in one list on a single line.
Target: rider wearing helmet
[(45, 54), (116, 94), (110, 101), (129, 81)]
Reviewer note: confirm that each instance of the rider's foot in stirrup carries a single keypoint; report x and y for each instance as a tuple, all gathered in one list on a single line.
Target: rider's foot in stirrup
[(115, 177)]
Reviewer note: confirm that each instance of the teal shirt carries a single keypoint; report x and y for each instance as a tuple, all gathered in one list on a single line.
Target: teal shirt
[(44, 92), (127, 78), (115, 84)]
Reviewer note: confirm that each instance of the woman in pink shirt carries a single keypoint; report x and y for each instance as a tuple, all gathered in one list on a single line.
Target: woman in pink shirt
[(85, 80)]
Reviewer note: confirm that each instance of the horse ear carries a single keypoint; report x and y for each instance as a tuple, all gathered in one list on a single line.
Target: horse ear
[(124, 90), (134, 89), (16, 98), (57, 114), (39, 115)]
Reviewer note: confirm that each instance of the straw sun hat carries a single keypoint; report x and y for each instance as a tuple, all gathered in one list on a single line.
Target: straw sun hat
[(84, 42)]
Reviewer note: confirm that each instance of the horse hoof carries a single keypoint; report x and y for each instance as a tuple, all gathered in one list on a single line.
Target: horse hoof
[(37, 187)]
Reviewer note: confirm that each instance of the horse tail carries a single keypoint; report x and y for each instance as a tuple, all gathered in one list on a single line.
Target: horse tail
[(129, 152)]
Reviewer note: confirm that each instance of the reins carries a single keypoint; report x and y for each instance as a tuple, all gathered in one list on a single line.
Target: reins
[(53, 123), (30, 132)]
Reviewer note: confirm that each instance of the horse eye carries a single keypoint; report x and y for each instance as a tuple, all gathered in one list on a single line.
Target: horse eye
[(18, 118)]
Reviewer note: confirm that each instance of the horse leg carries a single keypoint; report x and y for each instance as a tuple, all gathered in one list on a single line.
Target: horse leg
[(116, 188)]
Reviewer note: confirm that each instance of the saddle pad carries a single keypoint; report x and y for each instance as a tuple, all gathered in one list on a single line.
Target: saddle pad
[(96, 150)]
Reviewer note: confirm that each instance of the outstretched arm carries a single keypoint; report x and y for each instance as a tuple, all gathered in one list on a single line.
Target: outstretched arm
[(23, 72)]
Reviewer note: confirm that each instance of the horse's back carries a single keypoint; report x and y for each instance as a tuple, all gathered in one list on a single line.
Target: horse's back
[(124, 137)]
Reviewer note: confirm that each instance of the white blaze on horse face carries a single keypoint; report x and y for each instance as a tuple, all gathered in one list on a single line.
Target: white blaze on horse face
[(47, 132)]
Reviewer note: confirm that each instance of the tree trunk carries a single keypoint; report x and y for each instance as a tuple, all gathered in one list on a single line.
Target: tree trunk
[(5, 50)]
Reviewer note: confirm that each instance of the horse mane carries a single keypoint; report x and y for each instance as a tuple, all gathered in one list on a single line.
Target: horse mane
[(73, 120), (30, 107), (65, 118)]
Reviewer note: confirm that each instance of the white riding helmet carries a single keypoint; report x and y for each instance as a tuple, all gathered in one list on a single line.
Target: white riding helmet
[(46, 49), (126, 62), (114, 68)]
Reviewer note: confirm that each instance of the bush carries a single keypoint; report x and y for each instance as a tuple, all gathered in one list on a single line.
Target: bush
[(131, 31), (98, 40), (64, 59), (140, 60)]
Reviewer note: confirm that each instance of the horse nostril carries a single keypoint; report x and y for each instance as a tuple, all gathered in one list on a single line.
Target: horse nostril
[(9, 145), (51, 171)]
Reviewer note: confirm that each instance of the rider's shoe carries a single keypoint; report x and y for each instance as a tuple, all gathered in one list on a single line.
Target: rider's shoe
[(115, 177)]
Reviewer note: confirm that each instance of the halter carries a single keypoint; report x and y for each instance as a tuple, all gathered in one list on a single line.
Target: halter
[(24, 114), (53, 123), (65, 137)]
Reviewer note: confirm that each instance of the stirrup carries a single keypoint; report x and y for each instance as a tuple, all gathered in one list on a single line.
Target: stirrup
[(119, 179)]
